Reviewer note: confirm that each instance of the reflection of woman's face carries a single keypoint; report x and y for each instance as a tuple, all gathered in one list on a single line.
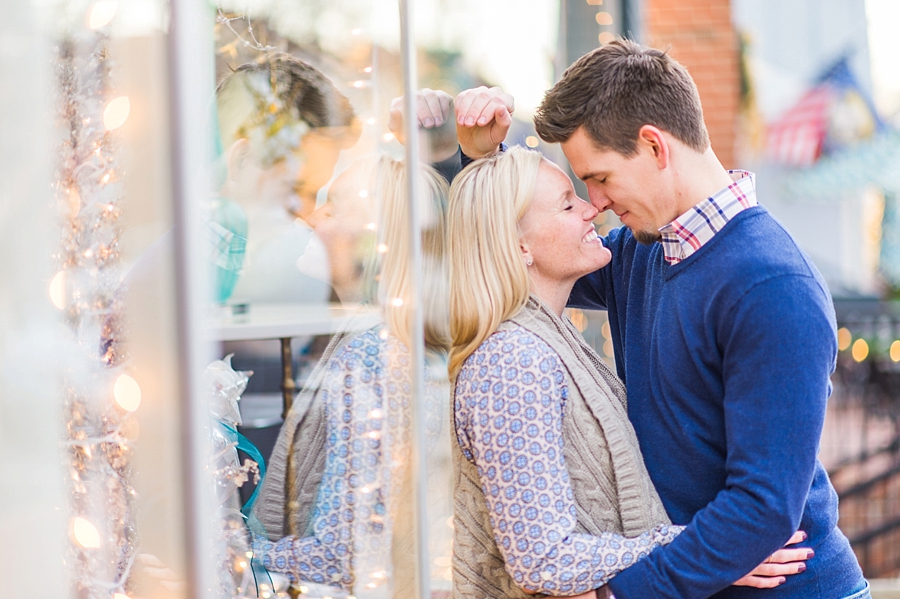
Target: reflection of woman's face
[(348, 210), (320, 155), (293, 181), (342, 224), (558, 230)]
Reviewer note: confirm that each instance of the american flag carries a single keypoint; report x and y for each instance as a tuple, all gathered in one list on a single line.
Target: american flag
[(796, 139), (799, 136)]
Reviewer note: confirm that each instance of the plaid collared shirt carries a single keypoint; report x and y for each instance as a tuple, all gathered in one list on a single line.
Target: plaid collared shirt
[(687, 233)]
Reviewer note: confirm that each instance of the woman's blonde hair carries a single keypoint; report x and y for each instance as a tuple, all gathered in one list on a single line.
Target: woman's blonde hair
[(488, 278), (394, 288)]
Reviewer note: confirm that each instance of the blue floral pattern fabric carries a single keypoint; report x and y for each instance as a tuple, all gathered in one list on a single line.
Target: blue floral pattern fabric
[(365, 390), (509, 404)]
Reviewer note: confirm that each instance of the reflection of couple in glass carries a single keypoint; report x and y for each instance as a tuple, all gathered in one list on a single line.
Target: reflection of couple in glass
[(704, 481)]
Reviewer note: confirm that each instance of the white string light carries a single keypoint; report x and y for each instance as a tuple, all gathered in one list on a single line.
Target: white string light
[(226, 20), (86, 290)]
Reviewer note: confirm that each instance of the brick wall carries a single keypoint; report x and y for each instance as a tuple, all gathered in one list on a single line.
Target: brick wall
[(703, 39)]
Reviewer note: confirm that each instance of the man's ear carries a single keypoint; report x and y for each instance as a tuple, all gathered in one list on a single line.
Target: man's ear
[(654, 141), (237, 157)]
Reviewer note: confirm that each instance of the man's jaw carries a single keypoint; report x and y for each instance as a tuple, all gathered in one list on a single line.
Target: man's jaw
[(645, 237)]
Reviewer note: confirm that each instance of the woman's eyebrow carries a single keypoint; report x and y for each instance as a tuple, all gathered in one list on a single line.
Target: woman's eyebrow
[(565, 197)]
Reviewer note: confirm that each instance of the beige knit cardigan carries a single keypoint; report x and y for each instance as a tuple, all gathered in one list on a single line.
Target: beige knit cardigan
[(611, 486)]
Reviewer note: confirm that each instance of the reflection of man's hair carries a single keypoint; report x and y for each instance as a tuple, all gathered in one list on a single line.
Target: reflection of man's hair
[(489, 280), (390, 267), (297, 86)]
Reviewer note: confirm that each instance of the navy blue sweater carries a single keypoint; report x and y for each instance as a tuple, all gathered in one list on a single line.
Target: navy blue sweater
[(727, 357)]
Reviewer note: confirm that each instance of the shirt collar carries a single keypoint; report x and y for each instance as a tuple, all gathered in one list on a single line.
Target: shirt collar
[(690, 231)]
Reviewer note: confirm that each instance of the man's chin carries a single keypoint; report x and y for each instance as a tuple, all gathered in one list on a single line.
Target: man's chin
[(646, 237)]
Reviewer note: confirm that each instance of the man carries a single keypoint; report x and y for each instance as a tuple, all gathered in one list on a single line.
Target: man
[(283, 125), (723, 329)]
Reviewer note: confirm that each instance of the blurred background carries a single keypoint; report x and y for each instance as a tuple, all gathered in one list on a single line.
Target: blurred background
[(114, 132)]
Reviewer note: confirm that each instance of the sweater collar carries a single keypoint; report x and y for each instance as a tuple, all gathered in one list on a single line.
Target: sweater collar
[(690, 231)]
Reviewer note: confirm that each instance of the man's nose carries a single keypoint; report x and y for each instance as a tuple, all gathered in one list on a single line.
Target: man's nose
[(598, 199)]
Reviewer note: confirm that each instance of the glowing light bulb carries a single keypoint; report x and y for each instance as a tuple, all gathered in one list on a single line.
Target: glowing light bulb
[(368, 69), (58, 290), (895, 351), (74, 201), (371, 227), (860, 350), (358, 84), (356, 31), (608, 347), (604, 18), (606, 37), (370, 121), (116, 112), (102, 14), (365, 489), (382, 248), (377, 413), (85, 533), (127, 393), (363, 193), (120, 596), (844, 338), (388, 137), (532, 141)]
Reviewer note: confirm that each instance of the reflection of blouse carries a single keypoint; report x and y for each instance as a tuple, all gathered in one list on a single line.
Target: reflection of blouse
[(509, 403), (365, 391)]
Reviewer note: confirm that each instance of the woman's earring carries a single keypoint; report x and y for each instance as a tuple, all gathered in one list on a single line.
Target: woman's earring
[(529, 262)]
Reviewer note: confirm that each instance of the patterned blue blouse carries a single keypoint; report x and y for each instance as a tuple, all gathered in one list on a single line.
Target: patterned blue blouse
[(365, 390), (509, 403)]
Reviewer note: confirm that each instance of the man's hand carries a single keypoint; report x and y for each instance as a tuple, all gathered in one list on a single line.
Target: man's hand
[(780, 564), (483, 118), (592, 594), (433, 115)]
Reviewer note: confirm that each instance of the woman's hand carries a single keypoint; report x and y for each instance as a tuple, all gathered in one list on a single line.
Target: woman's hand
[(434, 116), (483, 118), (779, 565)]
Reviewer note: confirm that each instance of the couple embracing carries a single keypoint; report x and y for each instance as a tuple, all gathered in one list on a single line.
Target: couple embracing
[(704, 481)]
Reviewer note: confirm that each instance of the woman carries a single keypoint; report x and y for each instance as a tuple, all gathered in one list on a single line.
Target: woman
[(335, 503), (551, 493)]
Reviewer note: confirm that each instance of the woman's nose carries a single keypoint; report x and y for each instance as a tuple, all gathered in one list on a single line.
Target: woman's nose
[(590, 212)]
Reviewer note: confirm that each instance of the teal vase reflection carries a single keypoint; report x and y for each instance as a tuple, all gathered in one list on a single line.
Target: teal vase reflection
[(228, 240)]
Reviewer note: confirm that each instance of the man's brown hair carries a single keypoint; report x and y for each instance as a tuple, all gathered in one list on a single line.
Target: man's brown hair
[(318, 101), (615, 90)]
